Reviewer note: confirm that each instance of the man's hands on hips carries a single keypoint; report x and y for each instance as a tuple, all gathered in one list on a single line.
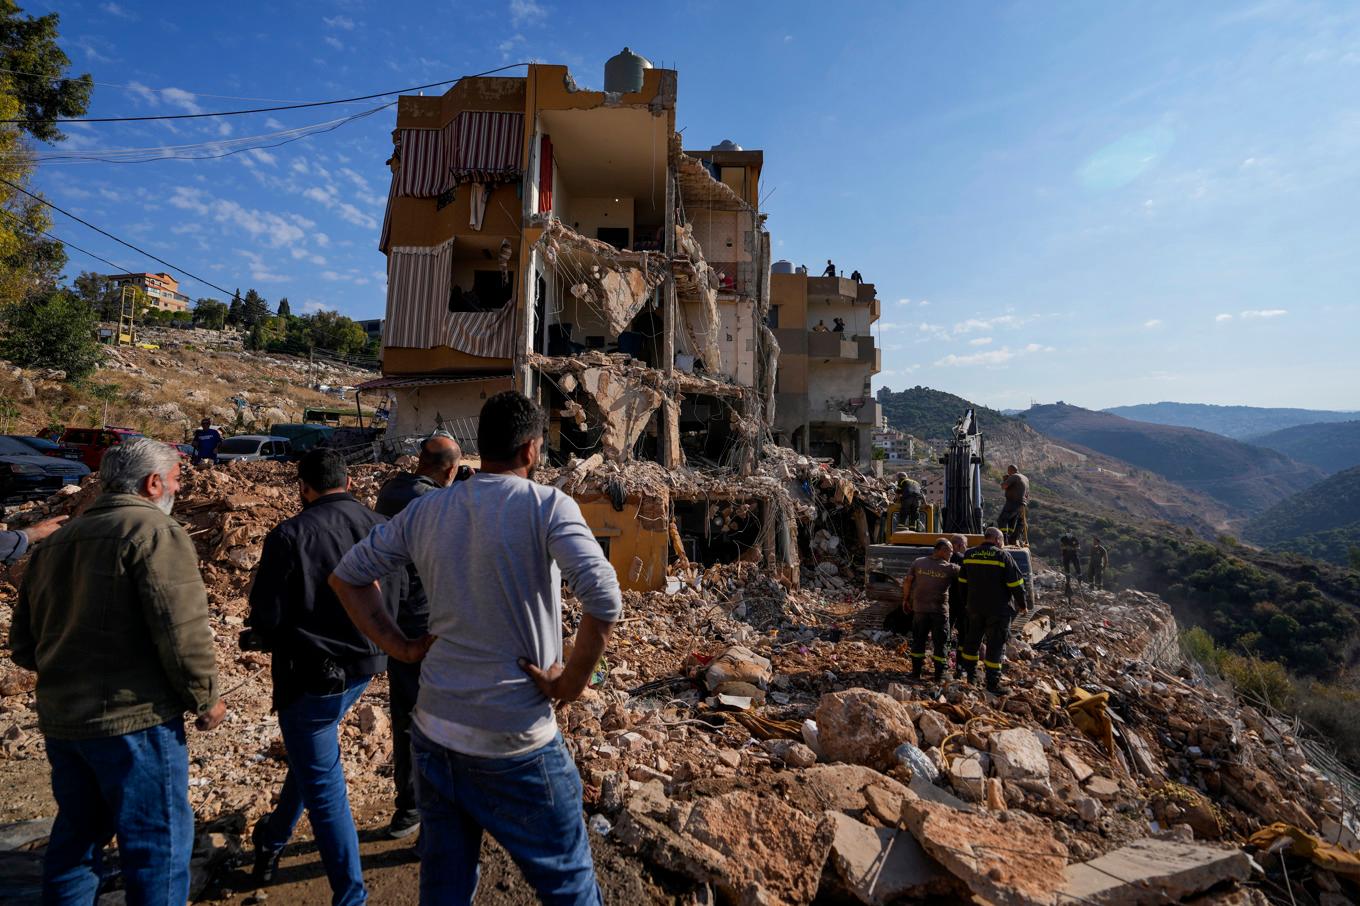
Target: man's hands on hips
[(413, 651), (210, 718), (555, 683)]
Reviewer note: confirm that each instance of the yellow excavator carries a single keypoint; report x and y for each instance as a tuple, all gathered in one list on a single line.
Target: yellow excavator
[(886, 565)]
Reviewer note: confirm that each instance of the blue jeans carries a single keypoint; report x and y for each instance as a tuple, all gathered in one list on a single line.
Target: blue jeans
[(136, 787), (316, 780), (530, 804)]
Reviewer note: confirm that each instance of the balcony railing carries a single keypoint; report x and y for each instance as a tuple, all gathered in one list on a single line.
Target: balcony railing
[(831, 345)]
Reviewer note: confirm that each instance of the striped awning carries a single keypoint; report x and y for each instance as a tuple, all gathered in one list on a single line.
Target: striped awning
[(419, 280), (488, 146), (426, 156)]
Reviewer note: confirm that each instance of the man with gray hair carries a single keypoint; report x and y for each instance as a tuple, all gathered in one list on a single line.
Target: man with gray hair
[(113, 616), (996, 592), (438, 464)]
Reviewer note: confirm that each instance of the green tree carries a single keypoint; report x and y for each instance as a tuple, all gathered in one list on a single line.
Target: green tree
[(285, 310), (43, 93), (234, 310), (337, 333), (254, 309), (51, 330), (210, 313)]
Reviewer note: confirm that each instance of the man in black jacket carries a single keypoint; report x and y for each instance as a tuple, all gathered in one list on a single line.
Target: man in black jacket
[(321, 665), (996, 591), (438, 463)]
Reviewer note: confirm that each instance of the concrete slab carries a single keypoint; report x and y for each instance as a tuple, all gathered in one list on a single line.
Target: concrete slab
[(882, 865), (1153, 871)]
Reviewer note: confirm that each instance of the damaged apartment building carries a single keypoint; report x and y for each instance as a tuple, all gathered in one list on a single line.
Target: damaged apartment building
[(559, 241), (824, 405)]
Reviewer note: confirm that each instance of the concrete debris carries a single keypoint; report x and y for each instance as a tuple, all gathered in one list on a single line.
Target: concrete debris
[(1153, 871), (738, 664), (862, 727), (1018, 755), (883, 865), (1010, 858)]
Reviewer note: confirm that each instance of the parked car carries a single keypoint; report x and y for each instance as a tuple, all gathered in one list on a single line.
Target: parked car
[(254, 448), (47, 447), (26, 474), (303, 437), (92, 442)]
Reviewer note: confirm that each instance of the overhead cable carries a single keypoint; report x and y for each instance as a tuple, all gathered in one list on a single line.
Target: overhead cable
[(141, 251), (139, 88), (195, 116), (55, 238)]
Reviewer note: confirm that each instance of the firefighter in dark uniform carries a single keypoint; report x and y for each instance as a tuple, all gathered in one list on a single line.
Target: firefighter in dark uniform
[(1071, 556), (1099, 559), (996, 592), (958, 594), (911, 497)]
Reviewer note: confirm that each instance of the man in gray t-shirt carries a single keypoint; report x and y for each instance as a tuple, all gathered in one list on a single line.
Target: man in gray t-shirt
[(492, 553)]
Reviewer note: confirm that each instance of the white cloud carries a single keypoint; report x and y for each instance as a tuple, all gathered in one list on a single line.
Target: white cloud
[(272, 123), (1221, 318), (332, 275), (113, 9), (335, 42), (178, 97), (979, 324), (1155, 322), (312, 306), (263, 156), (299, 165), (788, 39), (509, 44), (980, 341), (526, 12), (1265, 313), (259, 269), (987, 357), (143, 92), (1037, 347), (903, 301), (344, 23), (357, 179), (276, 229)]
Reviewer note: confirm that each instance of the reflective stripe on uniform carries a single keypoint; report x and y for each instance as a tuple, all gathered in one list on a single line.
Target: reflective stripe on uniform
[(990, 665), (962, 580), (988, 561), (938, 658), (1016, 584), (915, 656), (968, 657)]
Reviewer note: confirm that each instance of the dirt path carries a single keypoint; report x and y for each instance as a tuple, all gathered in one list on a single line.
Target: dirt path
[(393, 876)]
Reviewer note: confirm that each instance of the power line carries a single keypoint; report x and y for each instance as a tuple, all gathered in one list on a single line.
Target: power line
[(194, 116), (140, 251), (139, 88), (116, 267)]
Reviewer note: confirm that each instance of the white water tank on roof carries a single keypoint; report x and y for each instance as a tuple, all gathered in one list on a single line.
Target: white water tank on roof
[(782, 267), (623, 72), (727, 145)]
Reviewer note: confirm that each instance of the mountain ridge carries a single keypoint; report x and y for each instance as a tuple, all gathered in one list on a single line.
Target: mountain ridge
[(1238, 422)]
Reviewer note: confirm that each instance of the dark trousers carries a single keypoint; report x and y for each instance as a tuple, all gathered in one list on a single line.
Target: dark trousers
[(403, 681), (991, 626), (1013, 520), (934, 625), (1096, 578), (1071, 564)]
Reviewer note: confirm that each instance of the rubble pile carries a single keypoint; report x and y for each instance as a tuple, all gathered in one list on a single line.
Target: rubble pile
[(764, 742)]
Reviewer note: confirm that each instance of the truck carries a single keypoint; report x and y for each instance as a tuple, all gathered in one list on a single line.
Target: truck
[(886, 565)]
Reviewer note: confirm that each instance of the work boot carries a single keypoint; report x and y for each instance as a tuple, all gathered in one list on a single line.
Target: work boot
[(917, 665), (404, 823), (994, 684), (266, 861), (939, 671)]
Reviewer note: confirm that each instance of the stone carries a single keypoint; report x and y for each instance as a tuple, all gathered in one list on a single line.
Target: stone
[(730, 757), (1088, 809), (885, 805), (1102, 788), (1153, 871), (843, 787), (738, 665), (1017, 754), (1080, 769), (793, 753), (924, 789), (966, 776), (644, 773), (934, 727), (995, 794), (883, 865), (862, 727), (373, 720), (981, 851)]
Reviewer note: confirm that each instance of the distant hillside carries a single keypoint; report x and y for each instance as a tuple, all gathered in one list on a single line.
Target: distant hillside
[(931, 414), (1248, 479), (1331, 446), (1322, 521), (1230, 421)]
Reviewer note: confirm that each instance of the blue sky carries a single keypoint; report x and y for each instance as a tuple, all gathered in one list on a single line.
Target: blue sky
[(1105, 203)]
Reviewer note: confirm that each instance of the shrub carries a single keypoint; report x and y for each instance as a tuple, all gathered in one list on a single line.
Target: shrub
[(54, 330)]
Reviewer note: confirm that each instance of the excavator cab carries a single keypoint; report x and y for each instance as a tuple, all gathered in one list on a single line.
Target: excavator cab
[(886, 565)]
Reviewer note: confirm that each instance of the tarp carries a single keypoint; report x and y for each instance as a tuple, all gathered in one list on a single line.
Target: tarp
[(488, 146)]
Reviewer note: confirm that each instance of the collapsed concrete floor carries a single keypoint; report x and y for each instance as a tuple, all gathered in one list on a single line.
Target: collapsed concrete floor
[(1111, 774)]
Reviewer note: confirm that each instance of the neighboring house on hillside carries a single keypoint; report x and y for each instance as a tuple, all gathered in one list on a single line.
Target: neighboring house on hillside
[(162, 290)]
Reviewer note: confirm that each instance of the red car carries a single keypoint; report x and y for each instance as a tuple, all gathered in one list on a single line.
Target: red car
[(93, 442)]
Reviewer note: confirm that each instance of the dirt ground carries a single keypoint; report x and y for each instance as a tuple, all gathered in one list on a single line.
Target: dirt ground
[(392, 873)]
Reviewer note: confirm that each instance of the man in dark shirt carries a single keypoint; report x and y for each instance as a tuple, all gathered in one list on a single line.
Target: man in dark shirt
[(996, 592), (1071, 556), (438, 463), (1099, 558), (206, 441), (1014, 517), (830, 270), (958, 592), (924, 592), (321, 665)]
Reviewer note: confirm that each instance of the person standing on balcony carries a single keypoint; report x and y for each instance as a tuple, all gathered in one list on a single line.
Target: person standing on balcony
[(821, 328), (830, 269), (840, 325)]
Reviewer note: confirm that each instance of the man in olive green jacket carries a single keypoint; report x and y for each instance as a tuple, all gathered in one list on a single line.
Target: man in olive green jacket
[(113, 616)]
